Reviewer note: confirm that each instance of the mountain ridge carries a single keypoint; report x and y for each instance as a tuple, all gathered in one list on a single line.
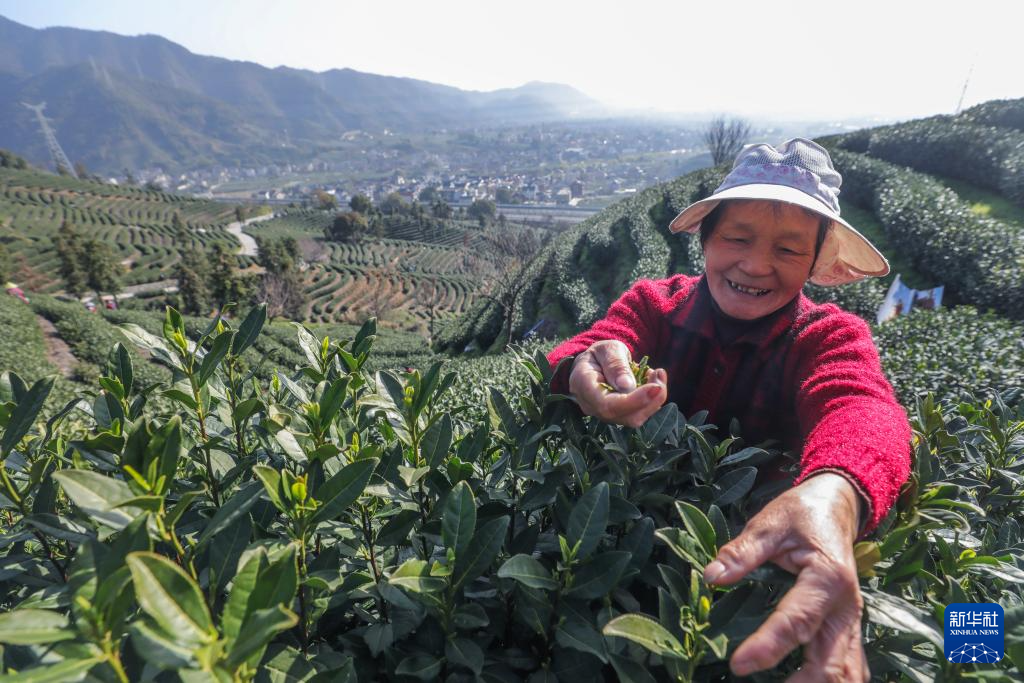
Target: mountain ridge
[(299, 105)]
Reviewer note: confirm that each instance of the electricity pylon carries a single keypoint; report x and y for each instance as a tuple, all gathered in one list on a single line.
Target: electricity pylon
[(60, 159)]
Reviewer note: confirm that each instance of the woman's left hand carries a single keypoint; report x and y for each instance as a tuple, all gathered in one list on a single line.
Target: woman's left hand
[(809, 530)]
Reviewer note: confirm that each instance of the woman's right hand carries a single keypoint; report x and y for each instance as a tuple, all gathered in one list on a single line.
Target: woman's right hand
[(608, 361)]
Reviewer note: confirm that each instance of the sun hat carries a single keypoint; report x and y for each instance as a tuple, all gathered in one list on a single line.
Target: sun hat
[(799, 172)]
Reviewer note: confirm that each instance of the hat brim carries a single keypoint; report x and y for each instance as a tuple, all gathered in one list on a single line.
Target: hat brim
[(846, 255)]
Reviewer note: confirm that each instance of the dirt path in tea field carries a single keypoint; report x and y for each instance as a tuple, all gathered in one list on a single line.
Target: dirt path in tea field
[(248, 243), (57, 350)]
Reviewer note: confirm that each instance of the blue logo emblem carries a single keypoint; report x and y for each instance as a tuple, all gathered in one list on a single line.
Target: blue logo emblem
[(974, 633)]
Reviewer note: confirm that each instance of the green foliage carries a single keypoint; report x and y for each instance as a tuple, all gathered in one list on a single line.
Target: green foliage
[(24, 347), (6, 265), (985, 155), (348, 226), (71, 250), (360, 203), (12, 160), (193, 275), (952, 353), (1005, 113), (103, 270), (340, 523), (134, 223), (482, 210)]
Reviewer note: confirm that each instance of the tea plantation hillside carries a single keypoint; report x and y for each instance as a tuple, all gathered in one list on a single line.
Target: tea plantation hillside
[(415, 265), (138, 224), (240, 499)]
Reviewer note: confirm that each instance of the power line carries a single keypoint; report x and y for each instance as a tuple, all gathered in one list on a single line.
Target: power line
[(60, 159)]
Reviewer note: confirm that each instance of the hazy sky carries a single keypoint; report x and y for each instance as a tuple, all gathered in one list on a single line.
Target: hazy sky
[(891, 58)]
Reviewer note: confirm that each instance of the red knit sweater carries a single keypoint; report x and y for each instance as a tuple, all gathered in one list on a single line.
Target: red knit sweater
[(808, 375)]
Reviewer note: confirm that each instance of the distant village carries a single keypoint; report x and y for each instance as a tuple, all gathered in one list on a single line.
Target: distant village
[(558, 166)]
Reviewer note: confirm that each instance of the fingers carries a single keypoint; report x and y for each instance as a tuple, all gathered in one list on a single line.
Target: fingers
[(614, 359), (758, 543), (608, 362), (839, 658), (799, 618)]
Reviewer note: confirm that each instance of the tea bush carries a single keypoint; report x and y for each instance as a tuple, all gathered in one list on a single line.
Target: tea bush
[(1005, 113), (952, 353), (988, 156), (333, 524), (981, 260)]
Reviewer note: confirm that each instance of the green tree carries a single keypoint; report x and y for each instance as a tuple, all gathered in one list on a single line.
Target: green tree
[(360, 203), (223, 282), (153, 186), (326, 200), (180, 230), (281, 284), (483, 210), (441, 209), (6, 265), (394, 205), (503, 195), (192, 274), (428, 195), (12, 160), (70, 245), (348, 226), (103, 269)]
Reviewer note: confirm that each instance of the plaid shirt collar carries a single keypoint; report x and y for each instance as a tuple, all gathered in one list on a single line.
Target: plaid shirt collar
[(697, 314)]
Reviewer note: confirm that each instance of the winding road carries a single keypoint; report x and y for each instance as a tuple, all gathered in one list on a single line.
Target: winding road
[(248, 243)]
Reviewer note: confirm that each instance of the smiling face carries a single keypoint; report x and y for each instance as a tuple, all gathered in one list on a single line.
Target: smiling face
[(759, 256)]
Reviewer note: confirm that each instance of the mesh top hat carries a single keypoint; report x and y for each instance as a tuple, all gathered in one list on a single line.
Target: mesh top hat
[(798, 172)]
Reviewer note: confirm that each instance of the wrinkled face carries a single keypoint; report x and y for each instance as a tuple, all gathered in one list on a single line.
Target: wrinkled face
[(759, 257)]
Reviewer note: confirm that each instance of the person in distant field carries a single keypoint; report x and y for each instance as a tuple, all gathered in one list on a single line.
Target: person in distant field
[(15, 291), (742, 341)]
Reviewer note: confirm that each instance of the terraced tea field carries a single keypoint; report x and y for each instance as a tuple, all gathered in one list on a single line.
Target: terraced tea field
[(135, 222), (397, 278)]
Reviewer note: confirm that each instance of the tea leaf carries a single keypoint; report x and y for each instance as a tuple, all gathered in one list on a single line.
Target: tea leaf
[(422, 667), (170, 598), (588, 520), (414, 575), (249, 330), (460, 650), (216, 354), (436, 441), (600, 575), (68, 670), (341, 490), (734, 485), (458, 520), (645, 632), (25, 414), (34, 627), (699, 527), (258, 630), (482, 550), (527, 571), (97, 496)]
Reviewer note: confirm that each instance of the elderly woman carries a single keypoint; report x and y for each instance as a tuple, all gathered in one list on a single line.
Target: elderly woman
[(742, 341)]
